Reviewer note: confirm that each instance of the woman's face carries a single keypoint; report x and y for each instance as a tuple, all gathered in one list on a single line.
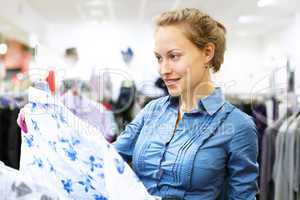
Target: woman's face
[(181, 63)]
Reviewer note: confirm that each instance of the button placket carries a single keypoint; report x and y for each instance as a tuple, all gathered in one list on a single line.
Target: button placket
[(160, 171), (214, 123)]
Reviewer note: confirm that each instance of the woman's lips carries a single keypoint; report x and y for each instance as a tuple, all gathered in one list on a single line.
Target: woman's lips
[(171, 81)]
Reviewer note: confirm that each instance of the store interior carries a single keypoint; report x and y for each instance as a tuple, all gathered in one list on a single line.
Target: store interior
[(102, 51)]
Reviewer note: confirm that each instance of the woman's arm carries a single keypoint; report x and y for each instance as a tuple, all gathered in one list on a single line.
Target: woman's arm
[(126, 141), (242, 163)]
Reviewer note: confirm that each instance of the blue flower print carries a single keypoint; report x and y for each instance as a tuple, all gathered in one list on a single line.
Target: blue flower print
[(87, 184), (29, 140), (71, 153), (63, 140), (101, 175), (54, 116), (33, 106), (74, 141), (99, 197), (51, 167), (62, 118), (35, 126), (93, 164), (120, 165), (38, 162), (67, 185)]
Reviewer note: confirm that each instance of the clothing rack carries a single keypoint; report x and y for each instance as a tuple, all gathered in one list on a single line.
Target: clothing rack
[(280, 164), (10, 133)]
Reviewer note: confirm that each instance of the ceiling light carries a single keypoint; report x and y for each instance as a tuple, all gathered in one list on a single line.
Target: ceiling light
[(264, 3), (95, 3), (3, 48)]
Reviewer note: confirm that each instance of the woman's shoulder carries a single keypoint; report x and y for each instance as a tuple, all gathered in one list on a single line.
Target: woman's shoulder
[(158, 103), (240, 130), (239, 118)]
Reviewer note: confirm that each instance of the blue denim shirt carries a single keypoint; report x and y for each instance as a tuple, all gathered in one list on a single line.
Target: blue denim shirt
[(213, 143)]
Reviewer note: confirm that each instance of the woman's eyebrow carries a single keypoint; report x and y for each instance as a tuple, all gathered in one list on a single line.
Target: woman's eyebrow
[(157, 54), (170, 51)]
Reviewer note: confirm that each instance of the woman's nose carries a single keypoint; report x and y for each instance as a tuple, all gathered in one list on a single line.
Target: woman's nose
[(164, 68)]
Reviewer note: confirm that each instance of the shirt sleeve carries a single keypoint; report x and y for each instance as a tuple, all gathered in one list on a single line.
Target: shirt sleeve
[(242, 163), (126, 141)]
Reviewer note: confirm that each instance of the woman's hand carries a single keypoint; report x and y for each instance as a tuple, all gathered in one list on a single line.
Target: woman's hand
[(21, 121)]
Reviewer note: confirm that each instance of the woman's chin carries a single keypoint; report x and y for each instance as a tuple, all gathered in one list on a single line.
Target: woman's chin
[(174, 92)]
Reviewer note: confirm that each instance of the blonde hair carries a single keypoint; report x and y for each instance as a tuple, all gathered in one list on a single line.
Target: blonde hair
[(200, 29)]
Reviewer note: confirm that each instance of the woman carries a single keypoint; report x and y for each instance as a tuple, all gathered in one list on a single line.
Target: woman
[(192, 143), (184, 146)]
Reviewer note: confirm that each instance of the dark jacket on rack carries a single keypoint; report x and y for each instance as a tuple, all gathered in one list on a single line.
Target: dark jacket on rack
[(10, 137)]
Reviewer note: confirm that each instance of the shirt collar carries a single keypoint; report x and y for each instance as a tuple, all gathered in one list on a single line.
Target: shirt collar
[(211, 103)]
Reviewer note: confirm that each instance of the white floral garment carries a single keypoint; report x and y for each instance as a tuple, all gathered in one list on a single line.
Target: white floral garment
[(15, 186), (72, 157)]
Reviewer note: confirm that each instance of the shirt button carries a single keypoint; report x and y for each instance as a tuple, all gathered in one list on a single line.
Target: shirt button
[(160, 173)]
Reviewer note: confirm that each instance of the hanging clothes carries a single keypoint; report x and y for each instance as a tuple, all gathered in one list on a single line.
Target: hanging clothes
[(284, 174), (93, 113), (10, 138), (297, 164), (124, 105), (72, 155), (290, 156), (268, 159), (259, 114), (101, 85)]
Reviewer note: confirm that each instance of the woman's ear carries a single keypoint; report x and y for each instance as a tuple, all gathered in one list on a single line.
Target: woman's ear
[(209, 52)]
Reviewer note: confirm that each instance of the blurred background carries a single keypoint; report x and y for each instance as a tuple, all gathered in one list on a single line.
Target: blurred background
[(103, 50), (262, 35)]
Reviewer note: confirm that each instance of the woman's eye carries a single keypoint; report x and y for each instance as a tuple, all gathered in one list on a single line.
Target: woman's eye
[(159, 59), (174, 57)]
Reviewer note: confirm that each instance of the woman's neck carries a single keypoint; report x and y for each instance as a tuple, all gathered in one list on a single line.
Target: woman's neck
[(190, 99)]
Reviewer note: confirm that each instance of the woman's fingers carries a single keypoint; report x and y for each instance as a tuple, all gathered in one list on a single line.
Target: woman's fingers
[(21, 121)]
